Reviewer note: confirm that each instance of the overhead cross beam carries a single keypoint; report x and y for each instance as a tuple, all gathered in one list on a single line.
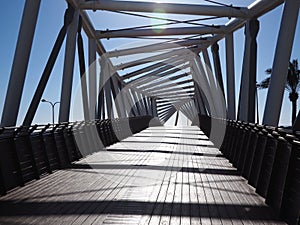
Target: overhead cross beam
[(149, 7), (159, 81), (256, 9), (166, 85), (169, 63), (160, 32), (161, 46)]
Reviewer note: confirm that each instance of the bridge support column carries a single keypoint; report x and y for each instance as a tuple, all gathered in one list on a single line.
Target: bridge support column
[(281, 61), (212, 85), (82, 69), (117, 97), (102, 88), (142, 103), (248, 80), (124, 99), (208, 70), (154, 105), (199, 102), (230, 76), (217, 66), (108, 99), (20, 63), (218, 93), (206, 59), (133, 109), (145, 104), (66, 89), (207, 89), (136, 102), (148, 106), (92, 78)]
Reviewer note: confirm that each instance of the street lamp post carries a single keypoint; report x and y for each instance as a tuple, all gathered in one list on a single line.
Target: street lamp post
[(52, 105)]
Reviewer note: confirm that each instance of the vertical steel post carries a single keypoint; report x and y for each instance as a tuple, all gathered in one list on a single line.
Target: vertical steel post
[(154, 105), (101, 104), (20, 63), (136, 102), (243, 96), (217, 65), (254, 28), (92, 78), (206, 58), (281, 61), (145, 104), (82, 69), (133, 108), (199, 102), (117, 97), (123, 99), (66, 90), (248, 81), (108, 99), (230, 76), (141, 103)]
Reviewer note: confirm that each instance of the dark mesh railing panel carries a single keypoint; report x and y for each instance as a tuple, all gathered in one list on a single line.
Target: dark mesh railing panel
[(268, 157), (28, 152)]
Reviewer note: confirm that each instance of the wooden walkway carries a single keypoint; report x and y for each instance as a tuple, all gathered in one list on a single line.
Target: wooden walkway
[(162, 175)]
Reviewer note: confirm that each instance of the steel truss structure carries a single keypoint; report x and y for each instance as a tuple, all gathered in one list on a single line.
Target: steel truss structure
[(174, 73)]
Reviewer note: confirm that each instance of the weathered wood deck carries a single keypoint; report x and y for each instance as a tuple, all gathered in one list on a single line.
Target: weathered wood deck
[(162, 175)]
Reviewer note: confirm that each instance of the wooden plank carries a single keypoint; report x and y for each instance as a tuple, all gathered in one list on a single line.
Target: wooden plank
[(196, 186)]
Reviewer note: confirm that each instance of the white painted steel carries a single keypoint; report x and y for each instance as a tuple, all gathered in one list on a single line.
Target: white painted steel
[(281, 61), (230, 76), (191, 9), (20, 63), (67, 80)]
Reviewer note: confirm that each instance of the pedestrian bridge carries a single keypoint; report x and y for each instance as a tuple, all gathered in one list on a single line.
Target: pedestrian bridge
[(159, 175), (152, 134)]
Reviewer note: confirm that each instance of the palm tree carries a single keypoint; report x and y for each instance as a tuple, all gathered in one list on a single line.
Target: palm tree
[(292, 84)]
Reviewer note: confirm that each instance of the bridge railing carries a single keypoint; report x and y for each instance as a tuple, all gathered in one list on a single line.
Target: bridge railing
[(27, 153), (268, 157)]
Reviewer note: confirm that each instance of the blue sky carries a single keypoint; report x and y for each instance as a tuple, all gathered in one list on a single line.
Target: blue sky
[(50, 21)]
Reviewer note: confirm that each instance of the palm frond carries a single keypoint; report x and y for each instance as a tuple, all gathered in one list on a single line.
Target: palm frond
[(293, 76), (268, 71), (292, 81), (264, 83)]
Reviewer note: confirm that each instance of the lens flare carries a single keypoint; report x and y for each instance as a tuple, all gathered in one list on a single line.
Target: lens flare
[(160, 13)]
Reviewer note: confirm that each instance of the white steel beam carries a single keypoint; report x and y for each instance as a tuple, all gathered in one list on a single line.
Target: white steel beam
[(281, 61), (248, 79), (20, 63), (230, 76), (176, 93), (158, 80), (160, 46), (67, 81), (162, 72), (157, 67), (92, 78), (166, 85), (191, 9), (158, 57), (256, 9), (156, 32)]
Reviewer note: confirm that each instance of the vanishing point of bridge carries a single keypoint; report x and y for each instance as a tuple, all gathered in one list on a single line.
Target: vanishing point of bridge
[(156, 135)]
